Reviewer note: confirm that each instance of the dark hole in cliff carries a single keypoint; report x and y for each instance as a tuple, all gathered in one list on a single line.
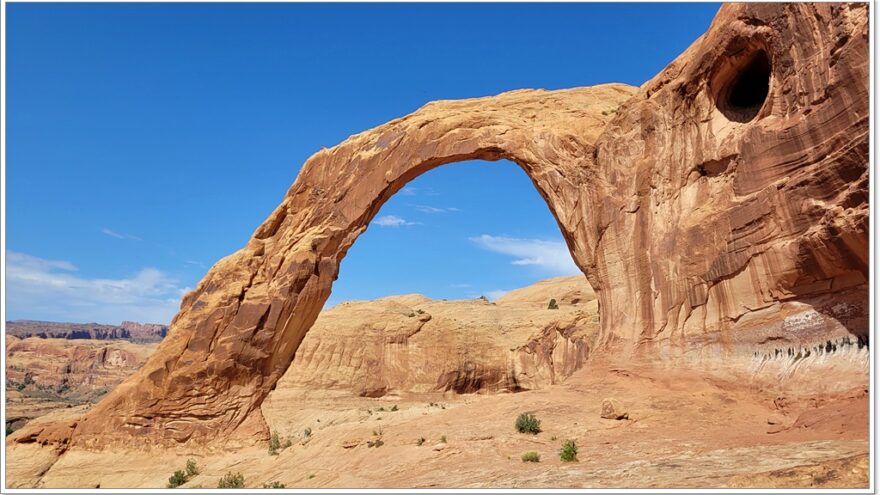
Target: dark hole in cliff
[(743, 96)]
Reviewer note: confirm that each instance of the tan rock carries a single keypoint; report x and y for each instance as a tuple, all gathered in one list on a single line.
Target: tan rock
[(704, 213), (613, 409)]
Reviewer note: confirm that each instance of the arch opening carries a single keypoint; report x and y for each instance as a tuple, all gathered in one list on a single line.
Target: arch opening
[(445, 235), (443, 225)]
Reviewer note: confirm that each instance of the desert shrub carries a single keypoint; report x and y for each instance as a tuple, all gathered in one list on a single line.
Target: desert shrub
[(483, 298), (307, 432), (287, 443), (381, 409), (9, 429), (230, 480), (394, 408), (274, 444), (375, 443), (420, 441), (443, 439), (192, 468), (411, 315), (274, 484), (528, 423), (178, 478), (552, 304), (569, 451), (531, 457)]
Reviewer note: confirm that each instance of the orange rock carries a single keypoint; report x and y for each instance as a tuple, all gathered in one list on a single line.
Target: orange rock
[(720, 206)]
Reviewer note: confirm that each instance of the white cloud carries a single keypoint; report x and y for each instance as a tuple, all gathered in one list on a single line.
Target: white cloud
[(432, 209), (117, 235), (392, 221), (551, 257), (48, 289), (460, 286), (495, 294), (409, 191)]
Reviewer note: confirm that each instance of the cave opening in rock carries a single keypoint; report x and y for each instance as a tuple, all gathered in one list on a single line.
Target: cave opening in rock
[(743, 96)]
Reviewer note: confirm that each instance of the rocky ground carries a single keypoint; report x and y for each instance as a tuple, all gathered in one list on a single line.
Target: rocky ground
[(359, 407)]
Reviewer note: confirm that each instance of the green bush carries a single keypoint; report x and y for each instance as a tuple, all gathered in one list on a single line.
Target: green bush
[(274, 444), (528, 423), (230, 480), (192, 468), (569, 451), (274, 484), (531, 457), (552, 304), (177, 479), (9, 429)]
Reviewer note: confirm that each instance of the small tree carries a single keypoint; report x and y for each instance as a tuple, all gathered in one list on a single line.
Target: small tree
[(528, 423), (569, 451), (177, 479), (552, 304), (230, 480), (274, 444), (192, 468)]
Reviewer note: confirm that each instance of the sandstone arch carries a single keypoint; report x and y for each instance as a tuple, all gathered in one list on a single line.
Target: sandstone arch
[(696, 231)]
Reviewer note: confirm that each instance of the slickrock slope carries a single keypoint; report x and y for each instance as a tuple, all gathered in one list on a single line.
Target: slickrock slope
[(684, 431), (412, 344), (719, 211), (128, 330)]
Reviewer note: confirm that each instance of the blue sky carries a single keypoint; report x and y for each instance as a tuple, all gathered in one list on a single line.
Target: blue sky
[(147, 141)]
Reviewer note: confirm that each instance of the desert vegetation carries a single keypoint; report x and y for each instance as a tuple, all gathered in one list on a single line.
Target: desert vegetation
[(528, 423), (569, 451)]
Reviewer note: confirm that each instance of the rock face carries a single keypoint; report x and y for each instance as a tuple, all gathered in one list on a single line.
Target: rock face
[(128, 330), (613, 409), (412, 344), (722, 206)]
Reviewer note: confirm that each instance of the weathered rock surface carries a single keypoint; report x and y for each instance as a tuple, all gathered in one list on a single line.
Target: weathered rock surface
[(726, 192), (613, 409), (128, 330), (412, 344)]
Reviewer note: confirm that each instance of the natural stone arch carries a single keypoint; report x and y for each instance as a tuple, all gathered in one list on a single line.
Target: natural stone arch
[(237, 332), (698, 227)]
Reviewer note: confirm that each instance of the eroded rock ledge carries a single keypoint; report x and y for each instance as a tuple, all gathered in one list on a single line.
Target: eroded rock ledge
[(730, 189)]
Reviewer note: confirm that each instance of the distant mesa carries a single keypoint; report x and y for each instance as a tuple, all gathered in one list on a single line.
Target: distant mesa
[(128, 330)]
